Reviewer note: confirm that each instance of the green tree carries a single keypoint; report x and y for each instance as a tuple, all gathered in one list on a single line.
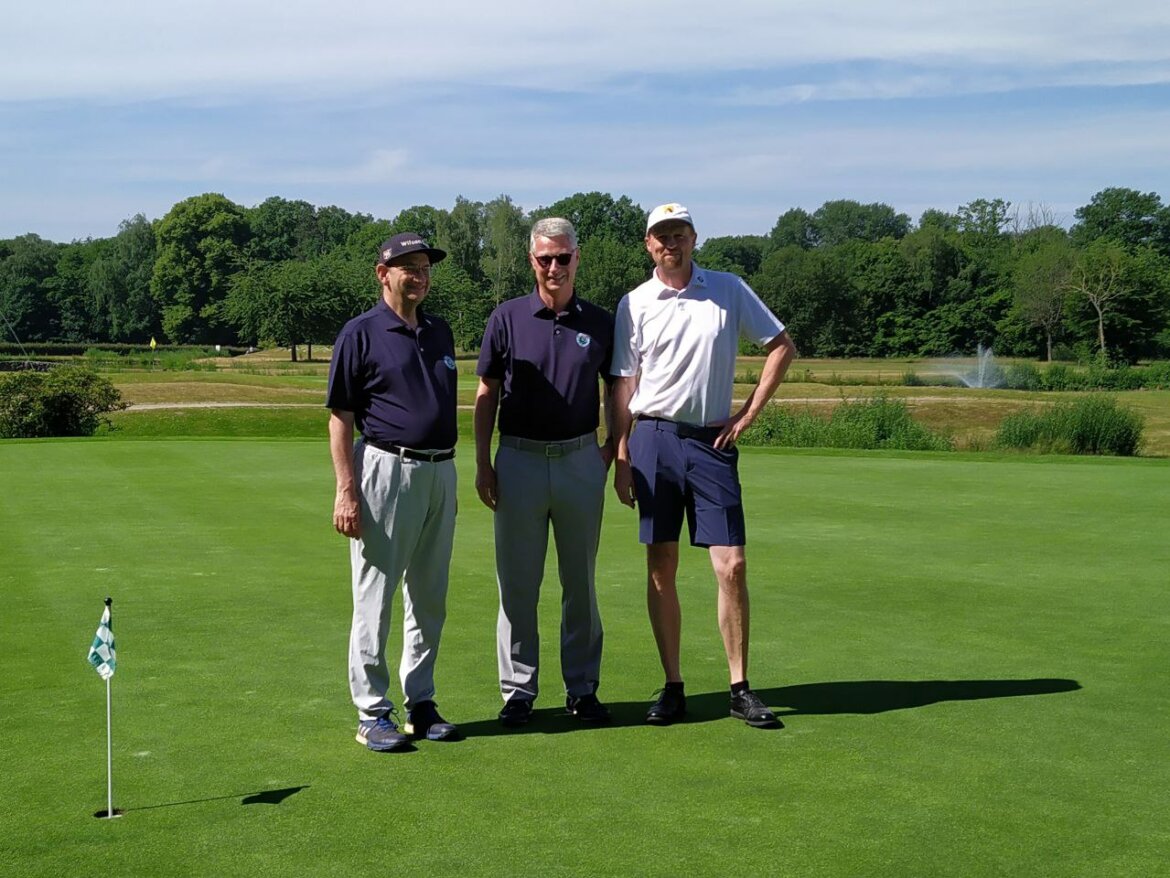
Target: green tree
[(739, 254), (27, 264), (1131, 218), (460, 233), (794, 228), (1041, 281), (599, 215), (459, 300), (201, 245), (119, 281), (503, 259), (422, 219), (844, 220)]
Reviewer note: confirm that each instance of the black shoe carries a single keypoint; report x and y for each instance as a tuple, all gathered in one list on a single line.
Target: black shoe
[(423, 721), (748, 707), (587, 709), (670, 707), (516, 712)]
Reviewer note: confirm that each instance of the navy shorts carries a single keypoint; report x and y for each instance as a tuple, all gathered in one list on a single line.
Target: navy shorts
[(677, 472)]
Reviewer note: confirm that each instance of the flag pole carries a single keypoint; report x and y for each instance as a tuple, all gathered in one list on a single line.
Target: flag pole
[(109, 732)]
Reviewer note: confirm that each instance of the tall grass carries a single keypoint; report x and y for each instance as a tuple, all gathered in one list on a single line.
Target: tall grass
[(877, 422), (1092, 425)]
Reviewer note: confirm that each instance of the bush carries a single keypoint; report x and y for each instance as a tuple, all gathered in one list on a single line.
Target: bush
[(878, 422), (68, 401), (1092, 425), (1022, 376)]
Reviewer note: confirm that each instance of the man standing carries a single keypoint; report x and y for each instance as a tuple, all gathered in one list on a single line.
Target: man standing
[(539, 366), (676, 340), (393, 376)]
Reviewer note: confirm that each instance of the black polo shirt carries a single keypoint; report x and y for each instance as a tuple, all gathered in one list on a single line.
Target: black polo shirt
[(399, 382), (548, 364)]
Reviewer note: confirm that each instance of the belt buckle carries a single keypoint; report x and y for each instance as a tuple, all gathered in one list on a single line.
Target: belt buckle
[(553, 449)]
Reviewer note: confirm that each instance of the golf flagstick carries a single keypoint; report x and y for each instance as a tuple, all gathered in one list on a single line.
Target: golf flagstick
[(102, 657)]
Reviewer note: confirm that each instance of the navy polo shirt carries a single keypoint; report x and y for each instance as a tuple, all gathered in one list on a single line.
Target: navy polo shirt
[(399, 382), (548, 365)]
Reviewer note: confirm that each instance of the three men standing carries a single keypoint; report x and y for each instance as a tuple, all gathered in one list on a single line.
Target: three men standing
[(539, 366), (393, 377), (675, 346)]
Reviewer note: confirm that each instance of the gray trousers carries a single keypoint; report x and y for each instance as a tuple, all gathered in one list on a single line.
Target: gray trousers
[(534, 489), (408, 524)]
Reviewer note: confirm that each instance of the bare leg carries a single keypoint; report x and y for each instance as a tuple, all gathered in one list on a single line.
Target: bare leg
[(730, 565), (662, 604)]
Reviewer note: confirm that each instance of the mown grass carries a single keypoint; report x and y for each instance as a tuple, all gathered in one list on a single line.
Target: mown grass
[(971, 683)]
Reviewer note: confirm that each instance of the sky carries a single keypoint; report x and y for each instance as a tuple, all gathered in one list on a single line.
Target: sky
[(740, 110)]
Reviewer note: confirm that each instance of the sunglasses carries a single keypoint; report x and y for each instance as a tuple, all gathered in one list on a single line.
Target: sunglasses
[(561, 258)]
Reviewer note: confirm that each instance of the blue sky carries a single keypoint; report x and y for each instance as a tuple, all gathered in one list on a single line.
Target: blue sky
[(740, 110)]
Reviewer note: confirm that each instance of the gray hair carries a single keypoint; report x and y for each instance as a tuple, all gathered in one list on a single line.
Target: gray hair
[(552, 227)]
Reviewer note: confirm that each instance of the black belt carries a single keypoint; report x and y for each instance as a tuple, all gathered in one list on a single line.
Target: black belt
[(687, 431), (549, 449), (410, 453)]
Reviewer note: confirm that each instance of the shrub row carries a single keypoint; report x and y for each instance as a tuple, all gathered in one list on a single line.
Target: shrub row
[(1092, 425), (876, 422)]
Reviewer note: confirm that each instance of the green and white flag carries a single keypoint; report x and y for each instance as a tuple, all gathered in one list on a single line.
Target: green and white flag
[(101, 654)]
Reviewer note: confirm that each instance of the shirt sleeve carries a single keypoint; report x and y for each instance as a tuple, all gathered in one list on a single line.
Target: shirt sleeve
[(491, 353), (346, 381), (625, 342), (756, 322)]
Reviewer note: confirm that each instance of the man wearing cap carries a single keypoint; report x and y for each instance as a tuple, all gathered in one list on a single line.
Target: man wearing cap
[(393, 377), (675, 345), (539, 367)]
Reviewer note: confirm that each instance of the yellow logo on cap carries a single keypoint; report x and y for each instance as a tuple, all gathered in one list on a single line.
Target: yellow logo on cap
[(668, 209)]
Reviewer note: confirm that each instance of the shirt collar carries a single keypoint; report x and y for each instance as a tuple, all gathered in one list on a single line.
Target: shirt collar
[(397, 322), (538, 306), (698, 279)]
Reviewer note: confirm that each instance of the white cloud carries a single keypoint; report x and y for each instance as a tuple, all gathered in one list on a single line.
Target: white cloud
[(128, 50)]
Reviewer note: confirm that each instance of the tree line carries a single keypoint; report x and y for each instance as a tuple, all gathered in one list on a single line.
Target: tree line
[(849, 279)]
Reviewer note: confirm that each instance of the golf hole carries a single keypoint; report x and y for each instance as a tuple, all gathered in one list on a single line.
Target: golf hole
[(103, 812)]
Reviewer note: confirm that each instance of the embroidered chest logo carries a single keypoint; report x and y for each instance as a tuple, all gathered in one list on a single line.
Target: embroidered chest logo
[(583, 340), (449, 362)]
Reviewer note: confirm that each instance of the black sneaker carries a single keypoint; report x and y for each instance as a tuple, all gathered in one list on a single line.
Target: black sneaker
[(516, 712), (587, 709), (748, 707), (423, 720), (670, 707)]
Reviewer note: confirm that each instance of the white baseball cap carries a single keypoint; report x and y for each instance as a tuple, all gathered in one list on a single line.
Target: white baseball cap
[(672, 211)]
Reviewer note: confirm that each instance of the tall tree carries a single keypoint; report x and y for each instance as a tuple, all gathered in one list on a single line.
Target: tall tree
[(1041, 280), (599, 215), (503, 260), (1098, 277), (1131, 218), (119, 280), (27, 264), (201, 246), (844, 220), (794, 228), (460, 233)]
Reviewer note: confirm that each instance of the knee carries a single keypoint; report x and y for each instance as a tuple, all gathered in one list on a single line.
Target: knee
[(732, 573)]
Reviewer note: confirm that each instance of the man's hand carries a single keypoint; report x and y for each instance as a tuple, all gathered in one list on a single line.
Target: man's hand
[(732, 429), (485, 485), (623, 482), (347, 514)]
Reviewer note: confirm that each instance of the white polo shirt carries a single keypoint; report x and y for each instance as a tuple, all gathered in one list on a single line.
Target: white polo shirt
[(682, 344)]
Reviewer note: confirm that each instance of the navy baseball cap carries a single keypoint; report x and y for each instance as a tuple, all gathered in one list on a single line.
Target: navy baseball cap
[(408, 242)]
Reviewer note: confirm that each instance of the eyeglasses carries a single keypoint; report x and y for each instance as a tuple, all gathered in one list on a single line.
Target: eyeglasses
[(547, 260), (413, 269)]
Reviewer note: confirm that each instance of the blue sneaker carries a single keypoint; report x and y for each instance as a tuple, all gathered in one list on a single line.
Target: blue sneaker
[(381, 734), (423, 720)]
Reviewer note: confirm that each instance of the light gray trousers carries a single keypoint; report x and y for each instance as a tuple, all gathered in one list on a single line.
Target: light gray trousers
[(533, 490), (408, 524)]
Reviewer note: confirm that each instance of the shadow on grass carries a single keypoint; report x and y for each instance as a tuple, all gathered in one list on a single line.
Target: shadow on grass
[(263, 797), (806, 699)]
